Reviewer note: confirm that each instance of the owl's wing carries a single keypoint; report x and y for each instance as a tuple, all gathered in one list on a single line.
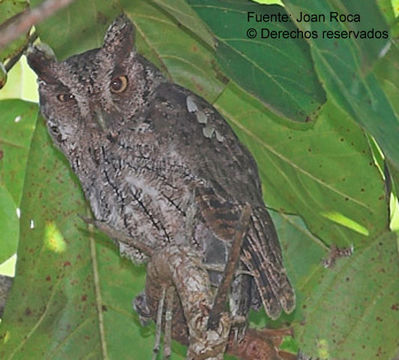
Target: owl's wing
[(261, 252), (229, 177)]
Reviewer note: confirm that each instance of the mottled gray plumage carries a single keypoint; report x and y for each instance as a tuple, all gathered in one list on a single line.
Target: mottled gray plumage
[(159, 164)]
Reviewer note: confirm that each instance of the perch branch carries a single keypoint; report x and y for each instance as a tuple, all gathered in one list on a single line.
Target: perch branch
[(25, 20), (256, 344), (181, 268)]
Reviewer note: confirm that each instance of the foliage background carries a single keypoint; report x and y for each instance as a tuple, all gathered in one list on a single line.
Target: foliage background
[(309, 111)]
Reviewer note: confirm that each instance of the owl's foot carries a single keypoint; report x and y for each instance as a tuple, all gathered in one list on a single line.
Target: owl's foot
[(166, 301), (158, 328), (170, 298)]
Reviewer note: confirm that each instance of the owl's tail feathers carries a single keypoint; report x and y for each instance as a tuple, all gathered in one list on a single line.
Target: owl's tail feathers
[(261, 254)]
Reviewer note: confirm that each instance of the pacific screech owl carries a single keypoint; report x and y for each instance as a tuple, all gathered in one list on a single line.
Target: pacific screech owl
[(158, 163)]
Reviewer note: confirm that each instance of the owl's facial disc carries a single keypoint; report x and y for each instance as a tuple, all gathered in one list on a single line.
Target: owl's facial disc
[(98, 90)]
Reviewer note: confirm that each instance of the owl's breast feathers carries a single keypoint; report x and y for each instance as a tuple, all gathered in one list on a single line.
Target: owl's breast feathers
[(228, 178)]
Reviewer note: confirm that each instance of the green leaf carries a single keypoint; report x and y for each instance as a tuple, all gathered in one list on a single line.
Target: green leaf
[(323, 170), (386, 7), (387, 74), (183, 59), (17, 121), (12, 88), (72, 294), (9, 224), (279, 72), (342, 65), (371, 17), (186, 16), (79, 27), (303, 253), (352, 310), (8, 9)]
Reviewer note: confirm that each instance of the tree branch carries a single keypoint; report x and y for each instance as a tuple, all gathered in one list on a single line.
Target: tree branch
[(182, 269), (22, 23)]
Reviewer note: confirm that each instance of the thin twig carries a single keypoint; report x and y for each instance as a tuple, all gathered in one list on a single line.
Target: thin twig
[(234, 257), (22, 23)]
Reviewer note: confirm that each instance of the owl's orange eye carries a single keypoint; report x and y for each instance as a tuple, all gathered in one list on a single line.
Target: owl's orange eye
[(65, 97), (119, 84)]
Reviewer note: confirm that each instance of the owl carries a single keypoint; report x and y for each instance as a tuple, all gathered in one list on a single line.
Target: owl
[(159, 164)]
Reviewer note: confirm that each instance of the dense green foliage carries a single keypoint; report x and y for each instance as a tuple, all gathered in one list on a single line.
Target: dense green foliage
[(324, 178)]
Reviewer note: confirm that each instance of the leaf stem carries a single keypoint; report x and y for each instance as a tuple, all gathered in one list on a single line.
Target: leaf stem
[(99, 301)]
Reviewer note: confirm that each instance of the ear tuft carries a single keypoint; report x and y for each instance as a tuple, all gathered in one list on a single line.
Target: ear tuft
[(42, 60), (119, 37)]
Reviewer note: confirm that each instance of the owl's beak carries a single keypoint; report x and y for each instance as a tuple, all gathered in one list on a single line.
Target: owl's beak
[(100, 119), (104, 119)]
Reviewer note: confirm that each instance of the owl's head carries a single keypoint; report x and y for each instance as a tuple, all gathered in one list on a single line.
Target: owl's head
[(99, 89)]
